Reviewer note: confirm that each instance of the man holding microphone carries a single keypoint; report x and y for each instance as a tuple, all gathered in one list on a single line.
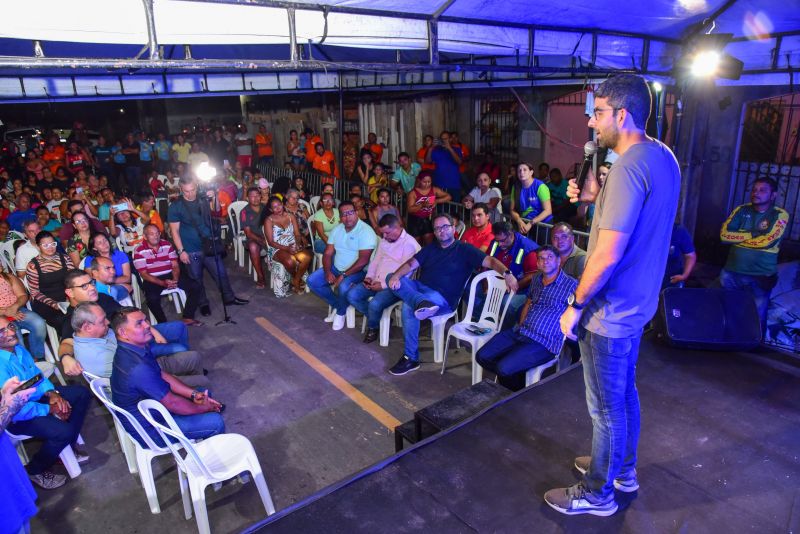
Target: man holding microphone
[(618, 294)]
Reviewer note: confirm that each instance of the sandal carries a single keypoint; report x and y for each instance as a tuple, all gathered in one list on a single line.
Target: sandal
[(192, 322), (260, 285)]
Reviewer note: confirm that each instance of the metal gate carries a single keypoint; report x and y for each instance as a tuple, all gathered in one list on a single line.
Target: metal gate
[(770, 146), (498, 129)]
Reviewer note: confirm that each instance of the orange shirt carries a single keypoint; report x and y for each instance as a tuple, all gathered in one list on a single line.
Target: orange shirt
[(377, 151), (311, 154), (325, 162), (480, 239), (264, 144), (55, 159), (421, 156)]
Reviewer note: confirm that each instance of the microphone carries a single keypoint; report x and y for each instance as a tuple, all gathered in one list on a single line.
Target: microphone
[(589, 150)]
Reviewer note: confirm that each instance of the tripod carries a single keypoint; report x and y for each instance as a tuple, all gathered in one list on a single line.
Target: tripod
[(216, 230)]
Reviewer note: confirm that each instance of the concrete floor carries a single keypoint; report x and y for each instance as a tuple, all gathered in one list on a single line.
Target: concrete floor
[(306, 432)]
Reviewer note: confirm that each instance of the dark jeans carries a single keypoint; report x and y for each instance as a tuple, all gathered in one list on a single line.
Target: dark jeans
[(756, 286), (55, 433), (412, 293), (196, 292), (609, 372), (133, 179), (336, 300), (53, 317), (371, 303), (177, 335), (509, 354), (152, 294)]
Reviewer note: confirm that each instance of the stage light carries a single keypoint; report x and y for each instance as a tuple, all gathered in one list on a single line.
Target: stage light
[(205, 172), (705, 63), (657, 87)]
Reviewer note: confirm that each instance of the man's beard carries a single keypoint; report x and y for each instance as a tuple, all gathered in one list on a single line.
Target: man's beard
[(609, 139)]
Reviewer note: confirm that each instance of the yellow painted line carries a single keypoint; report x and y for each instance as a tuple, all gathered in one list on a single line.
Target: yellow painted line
[(366, 404)]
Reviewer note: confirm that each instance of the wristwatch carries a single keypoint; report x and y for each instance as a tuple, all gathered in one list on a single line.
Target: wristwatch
[(573, 302), (507, 273)]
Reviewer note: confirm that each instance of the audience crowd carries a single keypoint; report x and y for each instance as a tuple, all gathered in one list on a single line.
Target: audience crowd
[(92, 232)]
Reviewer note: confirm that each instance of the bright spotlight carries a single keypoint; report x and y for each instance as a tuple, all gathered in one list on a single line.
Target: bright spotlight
[(657, 87), (205, 172), (705, 64)]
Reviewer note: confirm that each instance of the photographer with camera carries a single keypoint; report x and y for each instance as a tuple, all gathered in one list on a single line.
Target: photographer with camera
[(199, 246)]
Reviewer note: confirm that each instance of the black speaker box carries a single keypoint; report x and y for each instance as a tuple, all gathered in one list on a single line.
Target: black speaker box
[(709, 319)]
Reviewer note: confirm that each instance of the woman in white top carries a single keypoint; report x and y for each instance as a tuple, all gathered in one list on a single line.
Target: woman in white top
[(491, 196), (130, 230)]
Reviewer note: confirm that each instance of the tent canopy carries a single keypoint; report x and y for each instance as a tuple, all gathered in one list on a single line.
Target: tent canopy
[(413, 42)]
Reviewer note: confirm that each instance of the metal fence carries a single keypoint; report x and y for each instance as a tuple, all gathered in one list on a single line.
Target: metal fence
[(540, 233)]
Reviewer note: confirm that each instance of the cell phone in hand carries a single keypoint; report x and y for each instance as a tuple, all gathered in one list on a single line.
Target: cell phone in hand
[(79, 190), (122, 206), (35, 380)]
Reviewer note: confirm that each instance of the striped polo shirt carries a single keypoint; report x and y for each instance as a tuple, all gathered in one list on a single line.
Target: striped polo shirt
[(548, 303), (154, 262)]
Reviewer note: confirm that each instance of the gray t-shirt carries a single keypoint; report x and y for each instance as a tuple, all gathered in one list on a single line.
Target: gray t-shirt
[(639, 198)]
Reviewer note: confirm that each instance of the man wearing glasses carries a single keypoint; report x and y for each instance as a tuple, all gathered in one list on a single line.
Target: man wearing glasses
[(350, 245), (445, 267), (167, 338), (618, 290)]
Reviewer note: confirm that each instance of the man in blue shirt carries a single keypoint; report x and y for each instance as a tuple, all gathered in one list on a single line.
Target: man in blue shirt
[(22, 213), (537, 338), (162, 149), (145, 154), (445, 266), (137, 376), (447, 159), (54, 416), (681, 259), (347, 253)]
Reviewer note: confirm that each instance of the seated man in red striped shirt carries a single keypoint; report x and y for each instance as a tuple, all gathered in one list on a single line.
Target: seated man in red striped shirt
[(157, 262)]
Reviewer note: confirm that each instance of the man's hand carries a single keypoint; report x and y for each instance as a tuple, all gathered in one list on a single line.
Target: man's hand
[(330, 278), (394, 282), (71, 366), (590, 189), (375, 285), (569, 320), (171, 284), (337, 281), (59, 406), (677, 279), (511, 282), (184, 257), (201, 398)]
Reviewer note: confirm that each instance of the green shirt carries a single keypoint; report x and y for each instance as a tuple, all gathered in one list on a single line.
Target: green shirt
[(756, 239), (406, 179)]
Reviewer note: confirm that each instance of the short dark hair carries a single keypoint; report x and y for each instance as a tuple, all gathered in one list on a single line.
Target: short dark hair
[(551, 248), (542, 164), (771, 182), (72, 203), (384, 190), (71, 275), (481, 206), (41, 236), (502, 227), (444, 216), (120, 317), (565, 225), (251, 189), (186, 180), (390, 219), (41, 207), (401, 154), (629, 92), (344, 203)]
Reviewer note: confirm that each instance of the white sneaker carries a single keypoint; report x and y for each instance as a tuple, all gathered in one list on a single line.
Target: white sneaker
[(329, 318), (338, 321)]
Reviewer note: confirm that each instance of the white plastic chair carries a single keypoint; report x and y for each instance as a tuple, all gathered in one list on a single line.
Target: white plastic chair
[(309, 209), (67, 455), (534, 374), (386, 322), (234, 214), (7, 256), (317, 261), (139, 459), (212, 461), (314, 201), (491, 316)]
